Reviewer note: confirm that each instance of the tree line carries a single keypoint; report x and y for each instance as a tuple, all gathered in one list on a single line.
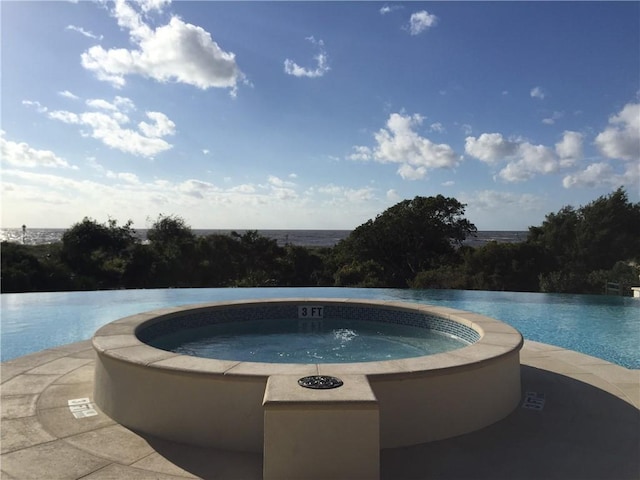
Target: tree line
[(417, 243)]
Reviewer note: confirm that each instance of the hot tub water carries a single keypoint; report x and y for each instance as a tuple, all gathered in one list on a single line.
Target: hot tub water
[(299, 341)]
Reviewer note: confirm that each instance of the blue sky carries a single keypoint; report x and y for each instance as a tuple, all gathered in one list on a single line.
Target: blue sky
[(314, 115)]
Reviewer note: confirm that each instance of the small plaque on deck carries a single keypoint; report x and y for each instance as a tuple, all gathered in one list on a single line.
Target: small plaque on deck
[(533, 401)]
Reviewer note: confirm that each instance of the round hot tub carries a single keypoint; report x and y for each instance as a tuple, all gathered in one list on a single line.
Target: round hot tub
[(317, 336), (435, 372)]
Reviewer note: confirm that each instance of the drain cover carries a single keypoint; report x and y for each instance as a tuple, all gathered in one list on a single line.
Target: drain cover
[(320, 382)]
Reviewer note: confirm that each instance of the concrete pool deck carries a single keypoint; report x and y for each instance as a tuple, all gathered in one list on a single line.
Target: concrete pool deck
[(579, 418)]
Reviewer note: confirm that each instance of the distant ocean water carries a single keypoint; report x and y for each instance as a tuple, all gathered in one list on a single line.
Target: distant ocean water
[(305, 238)]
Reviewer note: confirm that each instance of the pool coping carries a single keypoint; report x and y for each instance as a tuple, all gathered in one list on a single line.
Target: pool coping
[(41, 438)]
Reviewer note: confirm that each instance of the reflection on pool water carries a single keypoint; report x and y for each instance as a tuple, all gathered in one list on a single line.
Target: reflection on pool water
[(603, 326), (284, 341)]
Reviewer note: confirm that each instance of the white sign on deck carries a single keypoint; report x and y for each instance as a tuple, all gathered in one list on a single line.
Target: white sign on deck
[(81, 408), (533, 401), (310, 311)]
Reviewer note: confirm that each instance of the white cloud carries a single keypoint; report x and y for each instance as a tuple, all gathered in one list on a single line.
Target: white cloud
[(552, 119), (621, 139), (93, 163), (532, 160), (35, 104), (409, 172), (358, 194), (57, 201), (292, 68), (388, 9), (496, 210), (160, 127), (84, 32), (603, 174), (108, 126), (523, 159), (177, 51), (490, 147), (196, 188), (54, 200), (244, 188), (399, 143), (569, 149), (437, 127), (22, 155), (330, 189), (492, 200), (537, 92), (68, 94), (362, 153), (340, 193), (448, 183), (284, 193), (48, 180), (125, 177), (594, 175), (421, 21), (393, 196), (129, 19), (121, 104), (30, 196), (64, 116), (149, 5), (466, 129), (278, 182), (281, 189), (101, 104), (632, 175)]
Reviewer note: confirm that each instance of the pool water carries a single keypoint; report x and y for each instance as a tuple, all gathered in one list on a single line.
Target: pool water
[(603, 326), (289, 341)]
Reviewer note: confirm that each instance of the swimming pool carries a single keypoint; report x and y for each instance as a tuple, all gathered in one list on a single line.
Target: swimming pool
[(607, 327)]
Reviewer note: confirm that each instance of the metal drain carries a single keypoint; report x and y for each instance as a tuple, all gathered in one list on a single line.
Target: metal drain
[(320, 382)]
